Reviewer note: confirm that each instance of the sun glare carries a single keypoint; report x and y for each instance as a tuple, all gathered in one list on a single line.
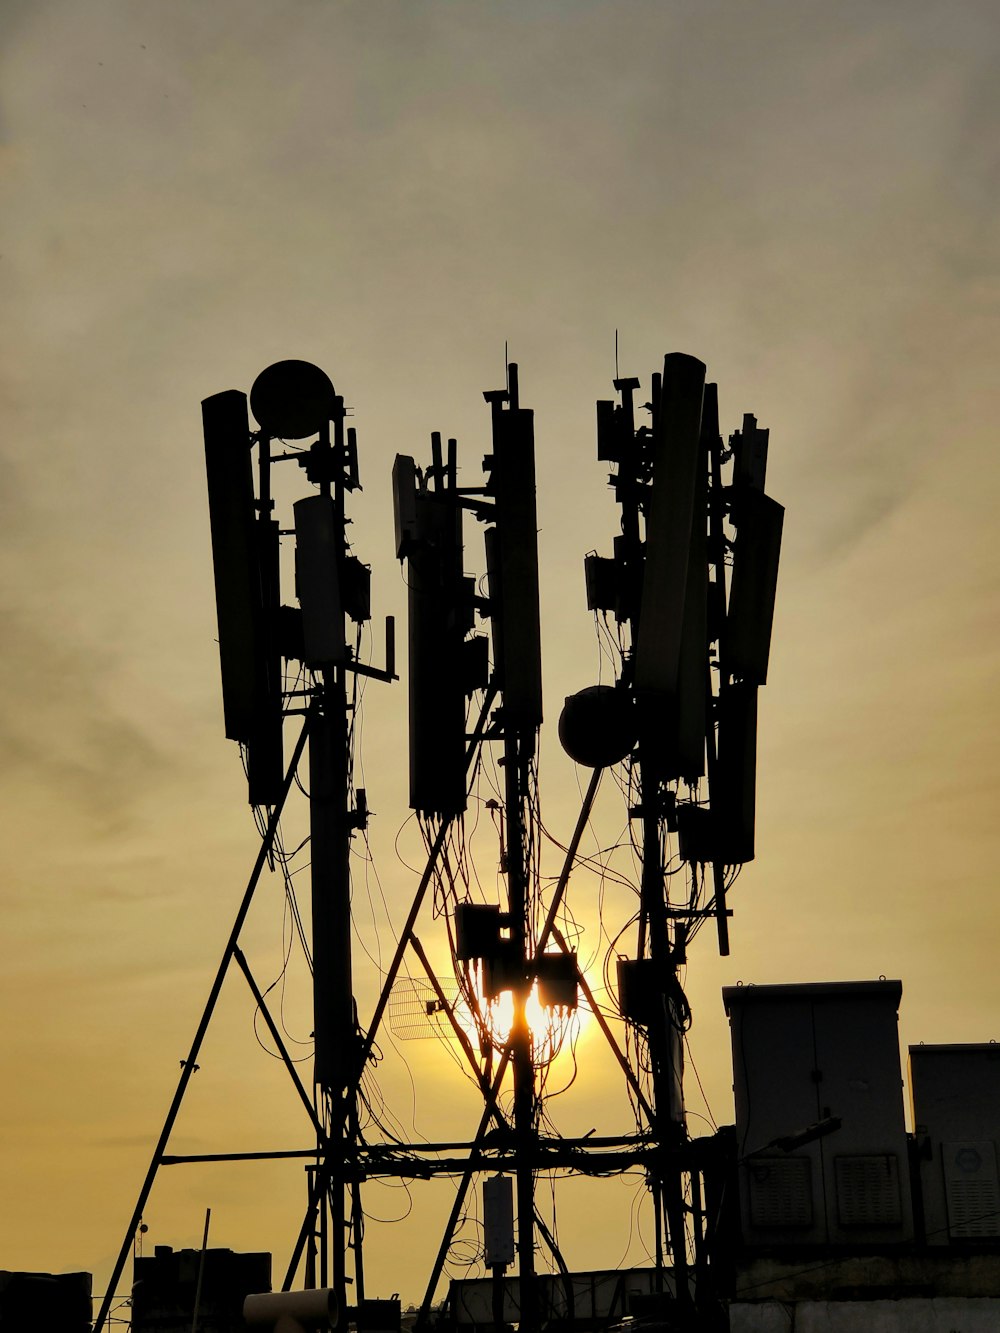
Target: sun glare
[(553, 1028)]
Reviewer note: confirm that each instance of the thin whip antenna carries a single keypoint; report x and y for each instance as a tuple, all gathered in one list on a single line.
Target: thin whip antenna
[(617, 375), (506, 372)]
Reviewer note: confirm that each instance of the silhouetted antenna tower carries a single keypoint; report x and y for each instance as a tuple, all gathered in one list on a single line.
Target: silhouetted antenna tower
[(444, 667), (687, 690), (293, 400), (679, 724)]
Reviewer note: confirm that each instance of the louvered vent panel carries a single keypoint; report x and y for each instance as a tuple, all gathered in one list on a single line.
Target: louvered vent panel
[(868, 1190), (780, 1191), (971, 1189)]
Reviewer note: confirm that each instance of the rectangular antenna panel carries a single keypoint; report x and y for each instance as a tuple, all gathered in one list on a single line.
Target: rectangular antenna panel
[(265, 762), (640, 990), (733, 795), (404, 503), (558, 984), (491, 542), (356, 589), (685, 739), (514, 575), (696, 840), (504, 970), (475, 663), (750, 454), (608, 432), (602, 578), (437, 658), (677, 451), (477, 930), (498, 1221), (237, 577), (747, 642), (317, 581)]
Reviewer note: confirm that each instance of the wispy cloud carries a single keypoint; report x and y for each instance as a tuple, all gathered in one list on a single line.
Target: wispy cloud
[(60, 733)]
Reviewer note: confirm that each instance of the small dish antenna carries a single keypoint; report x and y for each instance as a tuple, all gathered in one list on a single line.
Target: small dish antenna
[(292, 399)]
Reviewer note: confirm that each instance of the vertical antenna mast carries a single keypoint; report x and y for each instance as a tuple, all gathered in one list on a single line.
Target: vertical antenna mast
[(293, 400), (512, 548), (682, 630), (428, 535)]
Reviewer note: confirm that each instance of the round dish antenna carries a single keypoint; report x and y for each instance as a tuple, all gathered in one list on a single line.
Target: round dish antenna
[(292, 399), (597, 726)]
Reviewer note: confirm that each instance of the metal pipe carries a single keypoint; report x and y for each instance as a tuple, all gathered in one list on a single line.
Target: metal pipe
[(282, 1049), (182, 1159)]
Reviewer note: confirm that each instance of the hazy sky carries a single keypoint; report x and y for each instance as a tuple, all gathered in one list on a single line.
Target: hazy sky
[(803, 195)]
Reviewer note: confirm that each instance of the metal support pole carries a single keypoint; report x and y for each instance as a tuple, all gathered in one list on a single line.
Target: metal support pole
[(654, 1189), (310, 1274), (520, 1034), (717, 621), (334, 1022), (324, 1247), (663, 1035), (333, 992), (329, 845), (357, 1217)]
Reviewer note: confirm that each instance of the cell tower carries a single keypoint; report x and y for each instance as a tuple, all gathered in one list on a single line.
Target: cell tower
[(678, 727), (691, 660), (292, 401), (681, 720)]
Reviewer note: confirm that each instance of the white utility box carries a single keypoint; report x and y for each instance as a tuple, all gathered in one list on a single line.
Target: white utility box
[(802, 1054), (956, 1118)]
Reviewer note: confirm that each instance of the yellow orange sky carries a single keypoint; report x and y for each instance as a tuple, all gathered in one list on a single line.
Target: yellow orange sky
[(803, 195)]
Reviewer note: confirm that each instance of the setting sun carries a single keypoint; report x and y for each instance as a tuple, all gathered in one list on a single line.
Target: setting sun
[(553, 1027)]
